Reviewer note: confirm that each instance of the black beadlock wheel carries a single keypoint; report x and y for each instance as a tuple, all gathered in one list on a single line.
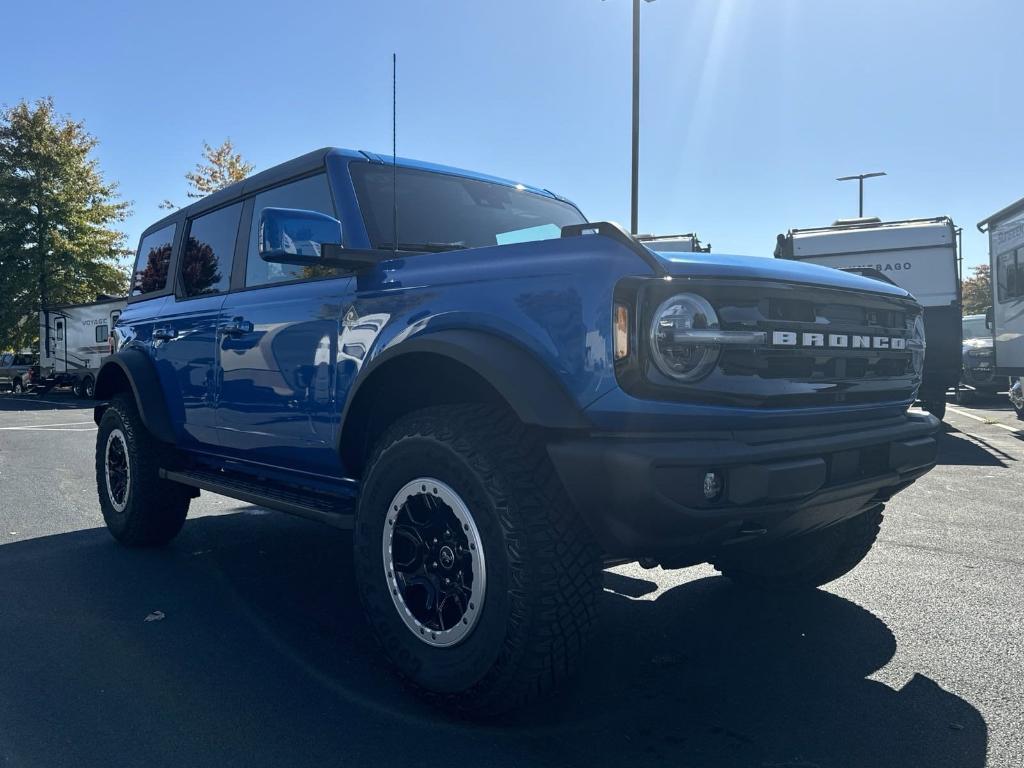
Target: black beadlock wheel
[(478, 577), (806, 561), (139, 508)]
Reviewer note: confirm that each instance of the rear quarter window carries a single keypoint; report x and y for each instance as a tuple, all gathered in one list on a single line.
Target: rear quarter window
[(152, 262)]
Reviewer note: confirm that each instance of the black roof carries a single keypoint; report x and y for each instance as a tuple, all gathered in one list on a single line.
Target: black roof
[(300, 166)]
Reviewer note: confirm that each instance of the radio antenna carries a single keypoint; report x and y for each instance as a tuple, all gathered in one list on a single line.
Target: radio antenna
[(394, 153)]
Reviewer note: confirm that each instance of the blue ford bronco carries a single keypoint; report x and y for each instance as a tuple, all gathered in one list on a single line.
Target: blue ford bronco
[(501, 398)]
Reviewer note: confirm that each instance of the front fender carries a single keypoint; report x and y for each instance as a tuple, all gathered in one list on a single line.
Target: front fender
[(132, 370), (526, 384)]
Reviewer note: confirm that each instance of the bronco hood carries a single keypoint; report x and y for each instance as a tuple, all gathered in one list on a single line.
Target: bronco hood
[(760, 268)]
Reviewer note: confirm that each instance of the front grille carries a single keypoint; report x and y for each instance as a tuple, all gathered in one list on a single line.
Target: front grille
[(778, 376)]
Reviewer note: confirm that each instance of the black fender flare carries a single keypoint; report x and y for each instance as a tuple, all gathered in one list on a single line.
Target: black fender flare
[(520, 377), (135, 367)]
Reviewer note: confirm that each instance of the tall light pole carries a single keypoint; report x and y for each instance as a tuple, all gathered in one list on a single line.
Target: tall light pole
[(634, 198), (860, 180), (633, 205)]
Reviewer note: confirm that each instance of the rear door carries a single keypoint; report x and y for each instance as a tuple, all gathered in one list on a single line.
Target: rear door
[(278, 398), (186, 331)]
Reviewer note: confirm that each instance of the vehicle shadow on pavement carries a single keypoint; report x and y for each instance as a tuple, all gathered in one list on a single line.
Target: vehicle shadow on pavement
[(960, 448), (256, 654)]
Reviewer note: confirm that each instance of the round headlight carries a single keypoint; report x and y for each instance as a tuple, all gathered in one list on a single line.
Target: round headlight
[(674, 353)]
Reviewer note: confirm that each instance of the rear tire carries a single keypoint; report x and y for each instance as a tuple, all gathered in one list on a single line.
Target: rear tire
[(543, 572), (964, 396), (807, 561), (17, 387), (77, 388), (88, 387), (139, 508)]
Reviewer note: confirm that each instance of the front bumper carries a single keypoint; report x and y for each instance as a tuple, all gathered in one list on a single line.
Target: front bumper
[(981, 378), (643, 495)]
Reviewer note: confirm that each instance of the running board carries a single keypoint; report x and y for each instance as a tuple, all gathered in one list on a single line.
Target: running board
[(334, 511)]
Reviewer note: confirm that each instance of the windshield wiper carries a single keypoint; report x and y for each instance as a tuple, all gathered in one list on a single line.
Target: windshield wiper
[(422, 247)]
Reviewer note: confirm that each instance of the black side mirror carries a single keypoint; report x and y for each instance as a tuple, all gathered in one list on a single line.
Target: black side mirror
[(989, 322)]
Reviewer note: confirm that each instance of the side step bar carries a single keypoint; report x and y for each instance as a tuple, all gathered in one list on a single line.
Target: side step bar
[(333, 511)]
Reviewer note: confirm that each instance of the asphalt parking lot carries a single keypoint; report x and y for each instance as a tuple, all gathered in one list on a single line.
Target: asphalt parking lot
[(256, 652)]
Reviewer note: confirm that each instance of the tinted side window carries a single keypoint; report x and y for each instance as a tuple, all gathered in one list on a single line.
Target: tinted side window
[(102, 332), (310, 194), (209, 250), (150, 273)]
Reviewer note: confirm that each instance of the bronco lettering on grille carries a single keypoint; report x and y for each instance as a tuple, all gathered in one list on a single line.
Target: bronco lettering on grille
[(836, 340)]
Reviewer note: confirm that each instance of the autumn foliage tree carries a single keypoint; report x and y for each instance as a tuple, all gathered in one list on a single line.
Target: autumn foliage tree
[(58, 239), (220, 166), (977, 290)]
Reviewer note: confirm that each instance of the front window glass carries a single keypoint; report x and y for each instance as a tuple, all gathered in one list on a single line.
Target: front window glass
[(438, 210), (206, 264), (150, 273), (310, 194)]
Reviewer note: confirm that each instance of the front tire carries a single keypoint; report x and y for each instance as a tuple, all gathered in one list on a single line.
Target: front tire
[(468, 485), (139, 507), (936, 407), (18, 388), (807, 561)]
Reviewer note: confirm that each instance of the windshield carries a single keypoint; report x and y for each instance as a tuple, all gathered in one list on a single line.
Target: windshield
[(974, 328), (437, 211)]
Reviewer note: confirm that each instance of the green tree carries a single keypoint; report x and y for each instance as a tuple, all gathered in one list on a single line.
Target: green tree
[(977, 290), (58, 242), (222, 166)]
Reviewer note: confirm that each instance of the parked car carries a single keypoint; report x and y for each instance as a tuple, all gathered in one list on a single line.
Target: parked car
[(15, 372), (499, 398), (979, 367)]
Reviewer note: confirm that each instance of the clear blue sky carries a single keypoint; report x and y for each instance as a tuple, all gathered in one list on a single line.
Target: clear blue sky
[(749, 108)]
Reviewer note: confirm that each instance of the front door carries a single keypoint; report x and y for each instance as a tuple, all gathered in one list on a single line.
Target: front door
[(278, 402)]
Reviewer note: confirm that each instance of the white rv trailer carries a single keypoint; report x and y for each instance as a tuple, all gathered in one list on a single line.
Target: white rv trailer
[(1005, 230), (688, 243), (919, 255), (73, 340)]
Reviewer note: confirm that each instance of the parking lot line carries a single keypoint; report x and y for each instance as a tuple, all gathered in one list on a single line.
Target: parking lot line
[(48, 426), (1007, 427)]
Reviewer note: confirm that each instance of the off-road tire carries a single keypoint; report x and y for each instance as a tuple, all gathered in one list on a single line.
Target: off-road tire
[(543, 568), (807, 561), (936, 407), (154, 509)]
